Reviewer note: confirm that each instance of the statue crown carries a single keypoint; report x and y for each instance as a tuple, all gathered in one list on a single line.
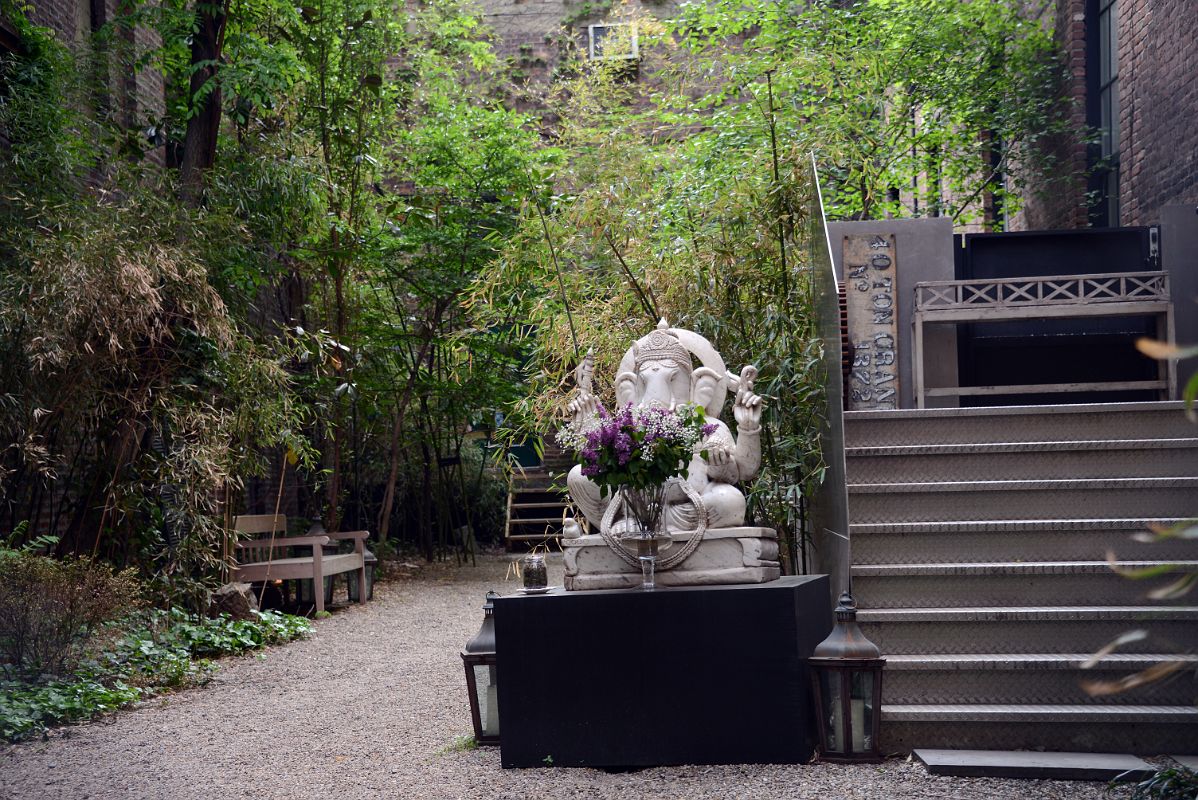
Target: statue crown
[(662, 346)]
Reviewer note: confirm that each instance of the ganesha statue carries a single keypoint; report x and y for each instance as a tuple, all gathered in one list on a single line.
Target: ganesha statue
[(703, 514)]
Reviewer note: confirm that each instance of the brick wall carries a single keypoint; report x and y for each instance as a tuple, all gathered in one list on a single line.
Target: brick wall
[(532, 35), (136, 99), (1062, 206), (1158, 94), (1158, 77), (67, 18)]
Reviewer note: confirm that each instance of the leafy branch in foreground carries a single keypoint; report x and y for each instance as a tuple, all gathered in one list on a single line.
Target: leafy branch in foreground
[(1186, 530)]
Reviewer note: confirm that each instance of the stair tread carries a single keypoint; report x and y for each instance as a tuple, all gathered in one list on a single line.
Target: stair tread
[(962, 448), (1040, 484), (1168, 406), (1029, 661), (983, 526), (993, 763), (554, 504), (1028, 613), (1015, 568), (530, 520), (983, 712)]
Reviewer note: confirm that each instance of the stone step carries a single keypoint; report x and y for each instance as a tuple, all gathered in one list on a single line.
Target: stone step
[(1146, 730), (1010, 540), (1022, 499), (1061, 583), (1040, 629), (1024, 764), (1031, 678), (1018, 423), (1093, 458)]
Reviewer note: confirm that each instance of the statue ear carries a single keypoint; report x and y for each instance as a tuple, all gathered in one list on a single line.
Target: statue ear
[(625, 389), (704, 382)]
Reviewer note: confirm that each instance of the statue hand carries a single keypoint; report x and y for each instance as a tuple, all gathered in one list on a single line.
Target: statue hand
[(747, 408), (584, 371), (584, 405), (719, 454)]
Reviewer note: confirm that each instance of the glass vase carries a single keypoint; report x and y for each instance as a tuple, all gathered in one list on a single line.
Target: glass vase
[(644, 506)]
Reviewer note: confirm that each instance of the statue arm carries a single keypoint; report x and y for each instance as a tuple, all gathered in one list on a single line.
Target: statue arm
[(584, 406), (729, 460), (722, 466), (748, 453), (747, 410), (732, 461)]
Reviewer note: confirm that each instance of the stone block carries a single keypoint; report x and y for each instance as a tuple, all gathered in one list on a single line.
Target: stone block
[(726, 556)]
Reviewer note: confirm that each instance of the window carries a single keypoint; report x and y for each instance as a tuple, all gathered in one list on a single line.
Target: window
[(1103, 77), (10, 40), (614, 40)]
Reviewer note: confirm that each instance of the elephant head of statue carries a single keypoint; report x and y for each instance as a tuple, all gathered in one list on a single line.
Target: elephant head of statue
[(658, 370)]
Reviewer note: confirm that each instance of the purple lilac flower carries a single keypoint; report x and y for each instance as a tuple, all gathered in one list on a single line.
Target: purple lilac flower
[(623, 448)]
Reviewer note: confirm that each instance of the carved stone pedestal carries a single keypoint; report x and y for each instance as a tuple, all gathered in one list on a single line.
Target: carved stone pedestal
[(726, 556)]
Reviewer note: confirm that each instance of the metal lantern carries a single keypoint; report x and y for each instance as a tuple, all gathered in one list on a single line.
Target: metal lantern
[(479, 658), (846, 674), (304, 598)]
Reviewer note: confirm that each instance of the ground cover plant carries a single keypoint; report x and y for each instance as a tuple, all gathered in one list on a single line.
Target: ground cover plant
[(143, 655), (75, 641)]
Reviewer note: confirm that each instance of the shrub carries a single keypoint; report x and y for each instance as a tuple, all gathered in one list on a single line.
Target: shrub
[(50, 609)]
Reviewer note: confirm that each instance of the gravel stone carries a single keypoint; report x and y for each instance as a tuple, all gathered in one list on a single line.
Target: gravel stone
[(371, 706)]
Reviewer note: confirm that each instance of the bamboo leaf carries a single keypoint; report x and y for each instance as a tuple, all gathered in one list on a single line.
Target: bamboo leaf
[(1139, 573), (1165, 350), (1144, 677), (1137, 635), (1179, 588)]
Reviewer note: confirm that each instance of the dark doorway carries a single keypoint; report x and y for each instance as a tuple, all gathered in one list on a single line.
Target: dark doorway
[(1061, 350)]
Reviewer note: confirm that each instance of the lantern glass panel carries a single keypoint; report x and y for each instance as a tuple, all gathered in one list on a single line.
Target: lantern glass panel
[(833, 710), (861, 703), (488, 698)]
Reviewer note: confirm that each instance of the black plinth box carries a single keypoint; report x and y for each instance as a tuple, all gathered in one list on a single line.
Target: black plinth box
[(629, 678)]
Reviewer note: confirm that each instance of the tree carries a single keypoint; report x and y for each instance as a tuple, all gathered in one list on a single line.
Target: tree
[(912, 107)]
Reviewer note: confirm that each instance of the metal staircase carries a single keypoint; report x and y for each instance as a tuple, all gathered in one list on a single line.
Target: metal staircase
[(979, 540)]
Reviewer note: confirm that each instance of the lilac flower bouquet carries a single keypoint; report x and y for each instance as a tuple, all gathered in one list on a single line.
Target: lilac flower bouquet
[(636, 450)]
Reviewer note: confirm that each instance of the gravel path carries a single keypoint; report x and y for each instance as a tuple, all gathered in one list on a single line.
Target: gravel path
[(370, 706)]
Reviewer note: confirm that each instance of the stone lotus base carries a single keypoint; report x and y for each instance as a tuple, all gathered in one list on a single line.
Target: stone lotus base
[(726, 556)]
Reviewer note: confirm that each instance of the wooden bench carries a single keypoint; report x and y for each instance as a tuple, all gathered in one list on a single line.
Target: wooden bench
[(1113, 294), (257, 561)]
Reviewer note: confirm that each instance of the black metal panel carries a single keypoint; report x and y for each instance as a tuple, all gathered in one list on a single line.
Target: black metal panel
[(1054, 351), (629, 678), (1027, 254), (830, 507)]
